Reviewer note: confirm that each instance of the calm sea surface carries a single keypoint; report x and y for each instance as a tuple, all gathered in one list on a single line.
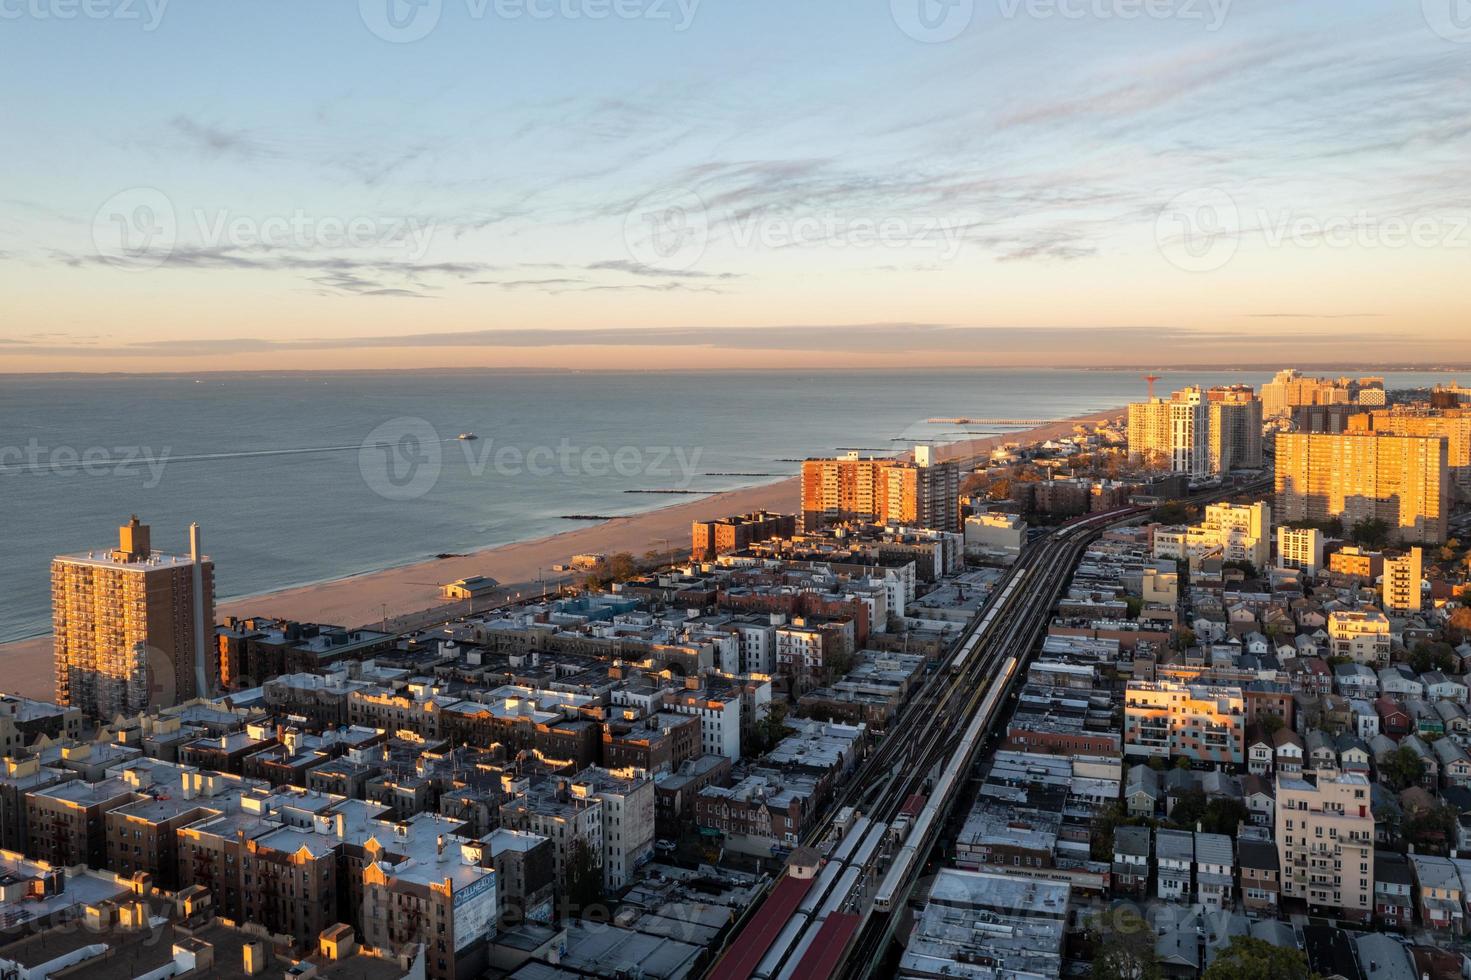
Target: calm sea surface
[(301, 478)]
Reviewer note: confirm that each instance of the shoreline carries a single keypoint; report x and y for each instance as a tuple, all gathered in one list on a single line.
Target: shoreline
[(364, 598)]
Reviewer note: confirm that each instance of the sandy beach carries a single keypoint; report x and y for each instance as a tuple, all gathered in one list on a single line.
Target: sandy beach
[(365, 599)]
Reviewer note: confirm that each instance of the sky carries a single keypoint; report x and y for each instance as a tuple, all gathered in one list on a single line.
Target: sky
[(218, 185)]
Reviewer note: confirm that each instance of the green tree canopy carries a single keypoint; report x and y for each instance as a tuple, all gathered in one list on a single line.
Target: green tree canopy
[(1402, 768), (1371, 532), (1248, 958), (1432, 656)]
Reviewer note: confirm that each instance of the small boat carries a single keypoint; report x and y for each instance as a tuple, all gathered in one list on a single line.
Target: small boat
[(467, 437)]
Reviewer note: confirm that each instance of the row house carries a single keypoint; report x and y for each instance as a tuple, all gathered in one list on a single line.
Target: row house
[(1395, 719), (1455, 765), (1260, 875), (1174, 855), (1394, 881), (1131, 853), (1215, 860), (1438, 882)]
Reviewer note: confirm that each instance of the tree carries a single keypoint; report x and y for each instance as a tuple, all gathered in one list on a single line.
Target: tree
[(1109, 818), (1213, 815), (1248, 958), (622, 567), (1430, 830), (1402, 769), (1271, 724), (1371, 532), (1432, 656), (1460, 623), (837, 665), (771, 729), (1332, 528), (1243, 566), (1172, 512), (1125, 949), (619, 568)]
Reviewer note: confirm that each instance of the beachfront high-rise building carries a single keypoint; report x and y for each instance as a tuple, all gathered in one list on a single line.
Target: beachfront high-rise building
[(1174, 432), (132, 626), (1289, 389), (923, 492), (1401, 480), (1235, 429)]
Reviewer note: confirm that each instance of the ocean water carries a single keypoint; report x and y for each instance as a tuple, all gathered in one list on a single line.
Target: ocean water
[(299, 478)]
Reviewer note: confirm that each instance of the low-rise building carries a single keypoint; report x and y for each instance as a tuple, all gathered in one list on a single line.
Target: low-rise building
[(1200, 722)]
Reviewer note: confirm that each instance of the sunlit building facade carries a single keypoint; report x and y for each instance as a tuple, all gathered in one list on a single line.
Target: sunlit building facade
[(1403, 481), (132, 626)]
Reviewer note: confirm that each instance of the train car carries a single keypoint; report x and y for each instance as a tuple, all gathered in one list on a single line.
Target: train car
[(869, 847), (850, 840), (782, 949), (820, 888)]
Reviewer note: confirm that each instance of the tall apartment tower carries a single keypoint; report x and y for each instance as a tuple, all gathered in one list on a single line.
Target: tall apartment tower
[(1235, 429), (1149, 430), (920, 493), (1190, 433), (926, 494), (1454, 425), (1177, 431), (1401, 480), (133, 626)]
